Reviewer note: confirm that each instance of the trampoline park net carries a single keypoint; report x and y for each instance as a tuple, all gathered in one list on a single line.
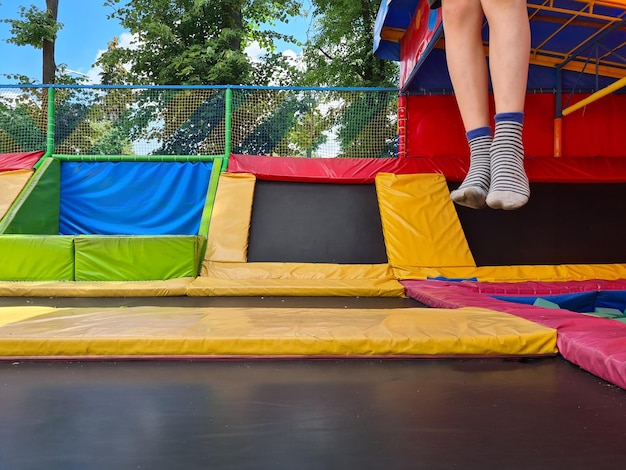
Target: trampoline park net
[(158, 121)]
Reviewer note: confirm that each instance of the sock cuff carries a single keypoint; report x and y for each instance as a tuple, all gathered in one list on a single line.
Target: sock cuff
[(478, 132), (511, 117)]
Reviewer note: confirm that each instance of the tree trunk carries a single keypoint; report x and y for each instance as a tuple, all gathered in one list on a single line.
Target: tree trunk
[(234, 20), (49, 65)]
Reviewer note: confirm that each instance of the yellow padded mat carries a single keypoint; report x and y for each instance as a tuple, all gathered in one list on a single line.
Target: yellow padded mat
[(420, 224), (207, 332), (169, 288), (296, 279), (11, 184), (230, 221)]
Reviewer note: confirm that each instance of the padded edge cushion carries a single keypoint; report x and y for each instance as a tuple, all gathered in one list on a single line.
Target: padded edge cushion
[(36, 258), (420, 224), (136, 258)]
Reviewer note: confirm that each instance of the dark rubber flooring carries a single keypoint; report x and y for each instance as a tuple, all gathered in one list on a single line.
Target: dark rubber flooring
[(298, 415)]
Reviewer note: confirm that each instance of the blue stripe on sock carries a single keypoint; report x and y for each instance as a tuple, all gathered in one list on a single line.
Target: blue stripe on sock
[(478, 132), (514, 117)]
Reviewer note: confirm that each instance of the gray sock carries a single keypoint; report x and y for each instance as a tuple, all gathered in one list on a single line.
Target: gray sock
[(474, 189), (509, 184)]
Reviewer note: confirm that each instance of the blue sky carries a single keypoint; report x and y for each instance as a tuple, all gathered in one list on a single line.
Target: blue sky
[(85, 34)]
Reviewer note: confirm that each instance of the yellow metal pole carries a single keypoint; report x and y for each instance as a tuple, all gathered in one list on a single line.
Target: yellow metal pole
[(596, 96)]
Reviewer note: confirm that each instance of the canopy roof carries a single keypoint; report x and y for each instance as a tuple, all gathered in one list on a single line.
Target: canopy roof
[(576, 44)]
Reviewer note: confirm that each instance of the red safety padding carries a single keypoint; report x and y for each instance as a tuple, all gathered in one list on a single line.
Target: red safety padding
[(364, 170), (19, 160), (598, 345), (434, 127), (335, 170)]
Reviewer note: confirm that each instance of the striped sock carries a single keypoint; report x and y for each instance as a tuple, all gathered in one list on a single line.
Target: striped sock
[(473, 190), (509, 183)]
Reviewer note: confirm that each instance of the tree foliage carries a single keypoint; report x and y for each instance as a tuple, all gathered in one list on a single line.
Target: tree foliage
[(38, 28), (339, 51), (194, 41)]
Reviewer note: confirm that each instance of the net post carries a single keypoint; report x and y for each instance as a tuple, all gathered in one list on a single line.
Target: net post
[(228, 124)]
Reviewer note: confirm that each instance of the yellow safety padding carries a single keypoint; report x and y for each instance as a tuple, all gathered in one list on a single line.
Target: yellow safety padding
[(11, 184), (540, 273), (166, 331), (420, 224), (297, 271), (230, 221), (296, 279), (10, 315), (213, 287), (169, 288)]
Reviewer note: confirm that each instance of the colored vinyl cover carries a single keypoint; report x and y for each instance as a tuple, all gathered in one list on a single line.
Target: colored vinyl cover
[(19, 160), (36, 258), (170, 331), (133, 198), (595, 344), (420, 225), (37, 209), (596, 132), (453, 167), (136, 258), (230, 221), (11, 184)]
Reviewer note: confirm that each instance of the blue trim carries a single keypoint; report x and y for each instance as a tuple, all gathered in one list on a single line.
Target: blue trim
[(478, 132), (199, 87), (510, 117), (430, 47)]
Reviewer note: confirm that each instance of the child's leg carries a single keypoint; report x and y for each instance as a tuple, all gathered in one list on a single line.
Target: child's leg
[(467, 64), (473, 191), (509, 183), (509, 53)]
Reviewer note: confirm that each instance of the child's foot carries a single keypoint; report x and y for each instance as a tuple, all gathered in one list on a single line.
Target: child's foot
[(474, 188), (472, 196), (509, 183)]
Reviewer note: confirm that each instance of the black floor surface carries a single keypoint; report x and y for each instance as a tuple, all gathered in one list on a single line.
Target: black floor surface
[(428, 414)]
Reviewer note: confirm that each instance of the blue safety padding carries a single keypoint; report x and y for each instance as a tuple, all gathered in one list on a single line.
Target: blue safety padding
[(133, 198), (576, 302), (611, 299), (452, 279)]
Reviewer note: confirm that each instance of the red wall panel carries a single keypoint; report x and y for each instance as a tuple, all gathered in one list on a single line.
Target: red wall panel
[(434, 128)]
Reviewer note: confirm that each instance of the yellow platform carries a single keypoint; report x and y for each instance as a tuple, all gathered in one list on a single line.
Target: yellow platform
[(165, 332)]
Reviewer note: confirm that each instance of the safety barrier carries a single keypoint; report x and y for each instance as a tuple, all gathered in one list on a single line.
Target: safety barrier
[(172, 123)]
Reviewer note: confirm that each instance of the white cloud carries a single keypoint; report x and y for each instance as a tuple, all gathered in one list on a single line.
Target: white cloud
[(129, 41), (255, 52), (125, 41), (295, 59)]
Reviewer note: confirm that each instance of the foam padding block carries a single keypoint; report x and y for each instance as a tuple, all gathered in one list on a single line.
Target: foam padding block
[(230, 220), (36, 258), (420, 224), (295, 279), (166, 331), (36, 211), (11, 184), (136, 258), (170, 288)]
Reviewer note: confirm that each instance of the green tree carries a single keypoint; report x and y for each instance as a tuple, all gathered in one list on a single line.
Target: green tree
[(339, 51), (194, 41), (38, 28)]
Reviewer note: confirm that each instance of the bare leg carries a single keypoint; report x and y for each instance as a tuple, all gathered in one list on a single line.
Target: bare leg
[(509, 51), (462, 22), (467, 64)]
